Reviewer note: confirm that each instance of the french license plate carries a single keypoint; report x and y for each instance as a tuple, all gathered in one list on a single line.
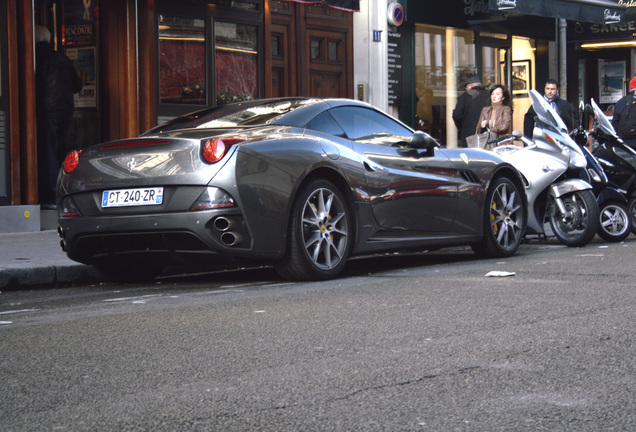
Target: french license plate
[(132, 197)]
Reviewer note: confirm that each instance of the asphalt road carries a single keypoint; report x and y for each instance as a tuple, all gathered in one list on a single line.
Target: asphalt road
[(421, 342)]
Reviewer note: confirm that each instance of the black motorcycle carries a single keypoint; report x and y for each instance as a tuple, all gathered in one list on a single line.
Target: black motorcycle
[(614, 216), (617, 159)]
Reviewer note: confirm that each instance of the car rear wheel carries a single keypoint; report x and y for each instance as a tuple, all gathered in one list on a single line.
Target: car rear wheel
[(504, 220), (319, 241)]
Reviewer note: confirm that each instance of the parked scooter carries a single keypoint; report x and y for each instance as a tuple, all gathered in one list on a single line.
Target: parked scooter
[(614, 220), (617, 159), (553, 166)]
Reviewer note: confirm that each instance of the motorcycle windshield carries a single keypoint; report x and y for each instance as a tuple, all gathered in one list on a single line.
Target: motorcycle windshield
[(550, 119), (546, 113), (603, 121)]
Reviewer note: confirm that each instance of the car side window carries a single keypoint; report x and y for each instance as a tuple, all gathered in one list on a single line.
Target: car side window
[(360, 122), (324, 122)]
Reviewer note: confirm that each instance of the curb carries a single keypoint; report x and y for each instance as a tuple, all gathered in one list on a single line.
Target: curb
[(17, 278)]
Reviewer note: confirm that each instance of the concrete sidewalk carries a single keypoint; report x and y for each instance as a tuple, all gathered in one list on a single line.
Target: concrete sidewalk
[(33, 259)]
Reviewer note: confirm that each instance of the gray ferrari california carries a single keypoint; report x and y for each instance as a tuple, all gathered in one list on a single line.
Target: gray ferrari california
[(302, 184)]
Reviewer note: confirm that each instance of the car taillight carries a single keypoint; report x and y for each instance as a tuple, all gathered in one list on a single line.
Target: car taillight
[(67, 208), (71, 161), (213, 198), (214, 149)]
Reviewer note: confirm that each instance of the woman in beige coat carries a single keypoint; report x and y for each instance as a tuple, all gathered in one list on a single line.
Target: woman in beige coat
[(497, 115)]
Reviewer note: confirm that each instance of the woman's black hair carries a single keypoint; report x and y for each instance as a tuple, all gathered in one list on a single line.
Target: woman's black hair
[(507, 100)]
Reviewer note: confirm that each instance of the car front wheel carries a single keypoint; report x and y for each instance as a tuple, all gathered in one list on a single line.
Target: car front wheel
[(319, 240)]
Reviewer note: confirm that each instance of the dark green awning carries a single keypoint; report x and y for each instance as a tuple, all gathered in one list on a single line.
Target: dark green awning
[(587, 11)]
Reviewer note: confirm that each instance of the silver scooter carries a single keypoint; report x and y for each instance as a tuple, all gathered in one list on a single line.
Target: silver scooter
[(554, 169)]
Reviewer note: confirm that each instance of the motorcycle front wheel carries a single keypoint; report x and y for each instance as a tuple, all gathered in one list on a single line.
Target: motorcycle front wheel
[(580, 222)]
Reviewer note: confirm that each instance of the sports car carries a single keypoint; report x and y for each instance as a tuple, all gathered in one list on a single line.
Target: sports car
[(302, 184)]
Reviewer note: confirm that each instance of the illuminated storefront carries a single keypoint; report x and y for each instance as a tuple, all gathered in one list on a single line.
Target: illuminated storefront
[(520, 44)]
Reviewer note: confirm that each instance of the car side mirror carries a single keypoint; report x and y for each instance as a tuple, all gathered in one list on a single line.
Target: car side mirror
[(422, 140)]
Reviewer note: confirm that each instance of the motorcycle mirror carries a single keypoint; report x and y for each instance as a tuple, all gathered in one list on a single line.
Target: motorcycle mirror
[(586, 111)]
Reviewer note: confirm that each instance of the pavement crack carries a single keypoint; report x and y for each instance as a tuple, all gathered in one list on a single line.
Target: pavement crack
[(406, 383)]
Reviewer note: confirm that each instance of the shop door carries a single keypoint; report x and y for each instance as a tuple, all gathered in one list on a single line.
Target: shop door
[(327, 66), (5, 190)]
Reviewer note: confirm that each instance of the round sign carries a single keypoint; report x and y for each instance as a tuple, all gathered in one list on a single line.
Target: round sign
[(396, 14)]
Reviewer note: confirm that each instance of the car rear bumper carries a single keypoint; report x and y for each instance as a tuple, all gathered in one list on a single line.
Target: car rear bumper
[(168, 237)]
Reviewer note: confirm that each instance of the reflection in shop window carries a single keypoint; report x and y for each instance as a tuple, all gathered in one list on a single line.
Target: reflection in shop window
[(182, 60), (236, 62), (444, 59)]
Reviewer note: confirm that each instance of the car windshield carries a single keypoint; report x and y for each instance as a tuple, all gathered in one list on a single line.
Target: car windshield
[(250, 113)]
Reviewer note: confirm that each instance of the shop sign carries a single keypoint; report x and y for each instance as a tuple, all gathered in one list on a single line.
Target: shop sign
[(586, 32), (79, 22), (395, 68), (592, 12), (471, 7)]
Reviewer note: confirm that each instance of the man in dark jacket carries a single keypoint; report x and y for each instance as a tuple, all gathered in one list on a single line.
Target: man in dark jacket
[(468, 108), (624, 126), (561, 106), (55, 83)]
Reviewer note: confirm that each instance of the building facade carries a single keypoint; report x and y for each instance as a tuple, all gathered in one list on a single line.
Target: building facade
[(145, 61)]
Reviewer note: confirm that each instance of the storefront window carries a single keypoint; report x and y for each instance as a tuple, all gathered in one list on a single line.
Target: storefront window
[(236, 62), (182, 75), (444, 59)]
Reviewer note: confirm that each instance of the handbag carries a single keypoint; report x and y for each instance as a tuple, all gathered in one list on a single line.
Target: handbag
[(480, 140)]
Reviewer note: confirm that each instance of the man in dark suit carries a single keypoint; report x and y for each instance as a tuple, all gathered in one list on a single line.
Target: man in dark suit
[(561, 106)]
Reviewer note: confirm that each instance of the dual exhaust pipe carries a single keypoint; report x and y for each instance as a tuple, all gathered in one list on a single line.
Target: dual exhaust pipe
[(228, 237)]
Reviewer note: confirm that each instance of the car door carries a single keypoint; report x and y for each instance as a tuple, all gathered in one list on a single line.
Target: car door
[(410, 189)]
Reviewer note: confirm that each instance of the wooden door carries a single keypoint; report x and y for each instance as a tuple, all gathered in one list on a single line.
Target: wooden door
[(283, 70), (327, 70), (309, 51)]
